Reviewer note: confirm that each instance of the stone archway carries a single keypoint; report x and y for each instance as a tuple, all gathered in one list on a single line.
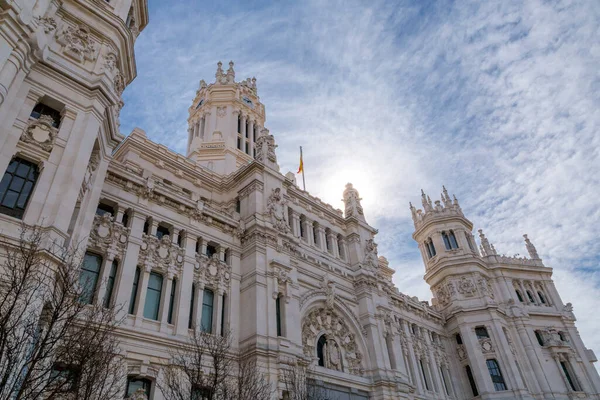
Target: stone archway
[(340, 350)]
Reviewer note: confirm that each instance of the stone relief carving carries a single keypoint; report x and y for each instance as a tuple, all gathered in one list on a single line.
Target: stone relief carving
[(161, 254), (282, 282), (462, 352), (265, 147), (110, 61), (48, 23), (371, 259), (221, 111), (466, 287), (486, 345), (89, 173), (78, 43), (119, 83), (486, 287), (344, 354), (109, 236), (40, 132), (276, 209), (213, 272)]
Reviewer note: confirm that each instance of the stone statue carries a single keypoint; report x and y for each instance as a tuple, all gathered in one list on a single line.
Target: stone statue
[(371, 259), (276, 209)]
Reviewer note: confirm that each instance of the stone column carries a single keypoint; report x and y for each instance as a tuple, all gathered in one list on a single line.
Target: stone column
[(165, 302), (532, 362), (184, 287), (7, 75), (334, 245), (244, 117), (103, 277), (126, 273), (195, 128), (434, 367), (412, 359), (142, 289), (198, 306), (476, 361), (153, 227), (202, 128), (250, 137), (307, 231), (322, 238)]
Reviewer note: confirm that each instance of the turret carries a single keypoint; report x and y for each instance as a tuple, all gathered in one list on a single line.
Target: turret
[(226, 124), (442, 230)]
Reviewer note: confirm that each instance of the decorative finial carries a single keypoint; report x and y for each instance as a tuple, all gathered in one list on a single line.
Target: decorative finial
[(486, 248), (352, 206), (531, 249), (230, 73), (219, 73)]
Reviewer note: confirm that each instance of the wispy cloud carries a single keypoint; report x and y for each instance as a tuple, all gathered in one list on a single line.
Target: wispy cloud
[(497, 100)]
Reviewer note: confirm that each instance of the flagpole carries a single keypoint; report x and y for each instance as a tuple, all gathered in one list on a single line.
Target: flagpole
[(303, 181)]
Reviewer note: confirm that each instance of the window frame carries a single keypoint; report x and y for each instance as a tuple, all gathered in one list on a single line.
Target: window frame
[(156, 314), (496, 375), (205, 311), (134, 290), (110, 284), (91, 296), (146, 385), (172, 300), (481, 332), (31, 177)]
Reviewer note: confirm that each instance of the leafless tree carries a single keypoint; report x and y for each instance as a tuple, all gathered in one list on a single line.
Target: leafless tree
[(52, 344), (206, 368), (299, 385)]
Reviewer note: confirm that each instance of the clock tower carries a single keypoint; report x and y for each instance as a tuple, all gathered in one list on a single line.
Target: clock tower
[(226, 121)]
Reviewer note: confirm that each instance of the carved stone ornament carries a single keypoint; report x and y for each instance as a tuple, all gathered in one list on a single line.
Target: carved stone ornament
[(40, 132), (486, 345), (109, 236), (48, 23), (341, 352), (462, 352), (371, 259), (276, 210), (161, 254), (221, 111), (212, 272), (119, 83), (78, 43), (352, 202), (486, 287), (265, 148), (110, 61), (466, 287)]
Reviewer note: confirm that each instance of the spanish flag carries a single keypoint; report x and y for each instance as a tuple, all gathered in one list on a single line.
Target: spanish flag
[(301, 167)]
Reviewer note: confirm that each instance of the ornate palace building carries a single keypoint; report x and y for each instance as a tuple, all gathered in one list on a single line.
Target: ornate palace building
[(220, 238)]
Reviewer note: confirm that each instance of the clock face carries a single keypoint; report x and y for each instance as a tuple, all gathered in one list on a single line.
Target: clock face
[(200, 103), (248, 101)]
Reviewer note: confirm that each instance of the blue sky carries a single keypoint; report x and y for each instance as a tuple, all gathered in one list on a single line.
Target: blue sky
[(497, 100)]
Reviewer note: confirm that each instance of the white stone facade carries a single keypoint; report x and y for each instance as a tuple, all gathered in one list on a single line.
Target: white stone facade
[(223, 220)]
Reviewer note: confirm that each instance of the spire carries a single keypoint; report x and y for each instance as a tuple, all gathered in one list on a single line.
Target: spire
[(446, 198), (486, 248), (413, 211), (230, 73), (426, 201), (531, 249), (219, 73)]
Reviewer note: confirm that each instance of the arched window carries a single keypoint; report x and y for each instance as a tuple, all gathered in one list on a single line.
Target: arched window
[(496, 375), (153, 294), (320, 350), (471, 381), (539, 338), (541, 296), (453, 242), (134, 290), (16, 187), (446, 240), (530, 296), (207, 311), (430, 248), (519, 296), (110, 284), (88, 277)]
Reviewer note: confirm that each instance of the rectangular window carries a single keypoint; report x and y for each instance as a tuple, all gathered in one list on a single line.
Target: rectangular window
[(88, 277), (223, 316), (104, 208), (16, 187), (207, 311), (278, 314), (424, 375), (42, 109), (443, 375), (565, 369), (162, 231), (134, 384), (153, 296), (110, 284), (192, 301), (210, 250), (172, 301), (471, 381), (496, 375), (134, 290)]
